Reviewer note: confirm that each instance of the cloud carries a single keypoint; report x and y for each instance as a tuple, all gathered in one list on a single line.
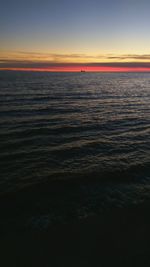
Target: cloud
[(75, 55), (53, 60), (43, 64), (129, 57)]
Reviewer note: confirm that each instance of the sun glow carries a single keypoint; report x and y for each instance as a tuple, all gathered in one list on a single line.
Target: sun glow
[(73, 62), (79, 68)]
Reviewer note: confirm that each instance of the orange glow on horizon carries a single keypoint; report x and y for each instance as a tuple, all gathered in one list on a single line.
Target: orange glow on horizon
[(85, 68)]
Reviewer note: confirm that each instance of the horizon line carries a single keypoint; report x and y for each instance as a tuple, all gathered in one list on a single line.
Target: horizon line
[(108, 69)]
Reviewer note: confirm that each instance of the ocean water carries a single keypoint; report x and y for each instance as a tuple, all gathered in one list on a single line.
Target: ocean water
[(72, 126)]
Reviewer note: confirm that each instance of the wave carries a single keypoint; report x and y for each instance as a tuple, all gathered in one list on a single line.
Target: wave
[(70, 126)]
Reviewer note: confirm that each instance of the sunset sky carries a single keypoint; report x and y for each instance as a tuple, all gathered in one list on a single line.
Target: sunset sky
[(63, 35)]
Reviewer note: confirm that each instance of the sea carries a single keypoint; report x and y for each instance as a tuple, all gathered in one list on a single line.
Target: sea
[(74, 144)]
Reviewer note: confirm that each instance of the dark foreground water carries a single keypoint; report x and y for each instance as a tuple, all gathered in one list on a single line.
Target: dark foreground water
[(93, 127)]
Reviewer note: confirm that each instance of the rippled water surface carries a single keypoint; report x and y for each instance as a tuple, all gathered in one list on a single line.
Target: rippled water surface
[(90, 129), (63, 125)]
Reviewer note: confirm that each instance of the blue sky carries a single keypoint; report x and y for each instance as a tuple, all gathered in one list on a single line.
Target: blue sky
[(82, 27)]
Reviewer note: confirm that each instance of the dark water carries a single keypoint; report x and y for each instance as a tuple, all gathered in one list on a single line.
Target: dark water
[(56, 126)]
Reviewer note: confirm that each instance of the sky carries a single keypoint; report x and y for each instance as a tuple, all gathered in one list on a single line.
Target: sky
[(63, 35)]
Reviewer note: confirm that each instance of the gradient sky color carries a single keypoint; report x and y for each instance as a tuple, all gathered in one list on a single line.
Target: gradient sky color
[(70, 35)]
